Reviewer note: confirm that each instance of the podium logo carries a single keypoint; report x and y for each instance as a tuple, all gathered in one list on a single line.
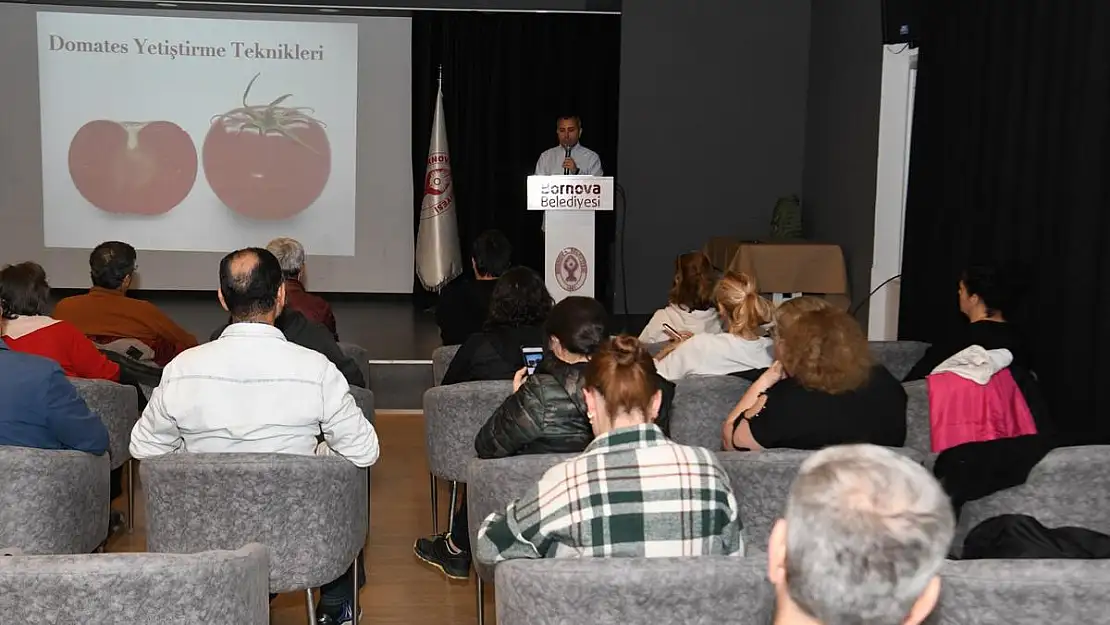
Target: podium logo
[(570, 195), (571, 269)]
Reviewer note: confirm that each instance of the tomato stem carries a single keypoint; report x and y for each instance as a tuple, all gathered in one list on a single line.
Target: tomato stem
[(270, 118)]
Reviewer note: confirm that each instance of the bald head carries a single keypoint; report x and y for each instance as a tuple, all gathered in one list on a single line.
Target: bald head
[(251, 285)]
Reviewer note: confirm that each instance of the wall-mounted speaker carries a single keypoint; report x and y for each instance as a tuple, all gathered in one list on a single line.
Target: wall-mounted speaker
[(900, 21)]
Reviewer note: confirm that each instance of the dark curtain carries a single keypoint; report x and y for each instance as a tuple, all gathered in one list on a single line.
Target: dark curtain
[(507, 77), (1009, 165)]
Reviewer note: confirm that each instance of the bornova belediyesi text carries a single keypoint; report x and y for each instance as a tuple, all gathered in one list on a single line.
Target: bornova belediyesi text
[(233, 50)]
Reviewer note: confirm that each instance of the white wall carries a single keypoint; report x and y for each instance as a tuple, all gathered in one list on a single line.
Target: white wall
[(895, 127)]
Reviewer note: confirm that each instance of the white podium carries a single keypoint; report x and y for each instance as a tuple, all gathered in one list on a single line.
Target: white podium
[(569, 244)]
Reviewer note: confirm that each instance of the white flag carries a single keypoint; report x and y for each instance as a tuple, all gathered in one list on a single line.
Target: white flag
[(438, 259)]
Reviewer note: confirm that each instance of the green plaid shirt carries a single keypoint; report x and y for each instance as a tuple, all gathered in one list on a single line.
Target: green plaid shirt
[(632, 493)]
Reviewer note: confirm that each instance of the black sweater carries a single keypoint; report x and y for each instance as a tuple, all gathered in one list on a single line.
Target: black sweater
[(986, 334)]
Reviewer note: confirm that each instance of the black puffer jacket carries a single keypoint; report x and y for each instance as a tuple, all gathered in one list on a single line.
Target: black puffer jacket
[(547, 415)]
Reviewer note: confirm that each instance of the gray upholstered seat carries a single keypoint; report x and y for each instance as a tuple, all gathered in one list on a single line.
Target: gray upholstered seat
[(660, 591), (359, 354), (1069, 487), (117, 406), (761, 481), (53, 502), (700, 407), (918, 428), (311, 512), (365, 400), (137, 588), (441, 359), (453, 414), (1023, 592), (491, 485), (898, 356)]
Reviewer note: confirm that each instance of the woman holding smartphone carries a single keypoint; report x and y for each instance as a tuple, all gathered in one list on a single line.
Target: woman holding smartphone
[(546, 413)]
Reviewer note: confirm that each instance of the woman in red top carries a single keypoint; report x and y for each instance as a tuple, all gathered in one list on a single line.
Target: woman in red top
[(26, 327)]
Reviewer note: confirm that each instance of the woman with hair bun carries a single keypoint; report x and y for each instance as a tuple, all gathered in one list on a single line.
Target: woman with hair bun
[(741, 348), (632, 492)]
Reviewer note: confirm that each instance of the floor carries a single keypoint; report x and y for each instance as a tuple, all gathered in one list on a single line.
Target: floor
[(399, 589)]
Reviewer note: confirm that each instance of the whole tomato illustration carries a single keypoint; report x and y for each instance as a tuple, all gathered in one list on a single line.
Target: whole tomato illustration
[(141, 168), (267, 161)]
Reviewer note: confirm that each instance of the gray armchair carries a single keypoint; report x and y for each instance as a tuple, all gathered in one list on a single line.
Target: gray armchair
[(52, 501), (491, 485), (661, 591), (761, 480), (1069, 487), (359, 354), (1023, 592), (441, 360), (453, 415), (118, 407), (136, 588), (312, 513)]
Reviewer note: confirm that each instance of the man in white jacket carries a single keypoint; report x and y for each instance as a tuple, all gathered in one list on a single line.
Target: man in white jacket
[(253, 391)]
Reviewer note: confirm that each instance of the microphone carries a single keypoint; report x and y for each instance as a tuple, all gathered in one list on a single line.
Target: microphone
[(566, 170)]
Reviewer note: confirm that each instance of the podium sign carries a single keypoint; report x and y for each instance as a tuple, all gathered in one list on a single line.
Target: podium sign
[(569, 203)]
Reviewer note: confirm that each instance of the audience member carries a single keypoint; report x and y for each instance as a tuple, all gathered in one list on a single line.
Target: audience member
[(622, 491), (690, 307), (25, 294), (865, 534), (41, 409), (464, 302), (117, 322), (254, 391), (985, 295), (290, 254), (298, 329), (518, 308), (741, 348), (546, 413), (822, 390)]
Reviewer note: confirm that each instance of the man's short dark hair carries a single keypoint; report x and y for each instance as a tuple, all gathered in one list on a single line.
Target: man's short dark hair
[(250, 288), (577, 120), (24, 290), (492, 253), (110, 264)]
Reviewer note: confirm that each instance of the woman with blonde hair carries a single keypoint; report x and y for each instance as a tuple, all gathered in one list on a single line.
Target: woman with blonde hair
[(742, 311), (690, 308), (822, 390)]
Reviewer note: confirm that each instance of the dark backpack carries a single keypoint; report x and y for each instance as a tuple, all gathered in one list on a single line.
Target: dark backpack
[(1018, 536)]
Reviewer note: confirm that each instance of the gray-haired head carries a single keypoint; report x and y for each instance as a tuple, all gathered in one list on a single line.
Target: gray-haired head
[(865, 534), (290, 254)]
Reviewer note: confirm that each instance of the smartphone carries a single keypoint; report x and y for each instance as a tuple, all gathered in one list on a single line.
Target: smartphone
[(670, 330), (532, 357)]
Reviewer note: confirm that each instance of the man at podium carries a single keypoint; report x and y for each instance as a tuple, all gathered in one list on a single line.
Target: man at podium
[(569, 157)]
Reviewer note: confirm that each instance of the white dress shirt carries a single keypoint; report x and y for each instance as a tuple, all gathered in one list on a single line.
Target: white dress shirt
[(550, 162), (715, 354), (253, 391)]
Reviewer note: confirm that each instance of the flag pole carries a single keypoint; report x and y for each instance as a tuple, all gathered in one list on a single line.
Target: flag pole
[(441, 76)]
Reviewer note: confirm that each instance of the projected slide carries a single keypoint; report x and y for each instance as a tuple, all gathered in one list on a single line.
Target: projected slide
[(188, 134)]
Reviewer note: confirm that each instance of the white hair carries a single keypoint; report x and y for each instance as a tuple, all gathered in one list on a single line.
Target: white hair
[(866, 531), (290, 255)]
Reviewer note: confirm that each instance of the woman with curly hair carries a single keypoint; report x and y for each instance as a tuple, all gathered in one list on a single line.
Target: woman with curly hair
[(822, 390), (518, 308)]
